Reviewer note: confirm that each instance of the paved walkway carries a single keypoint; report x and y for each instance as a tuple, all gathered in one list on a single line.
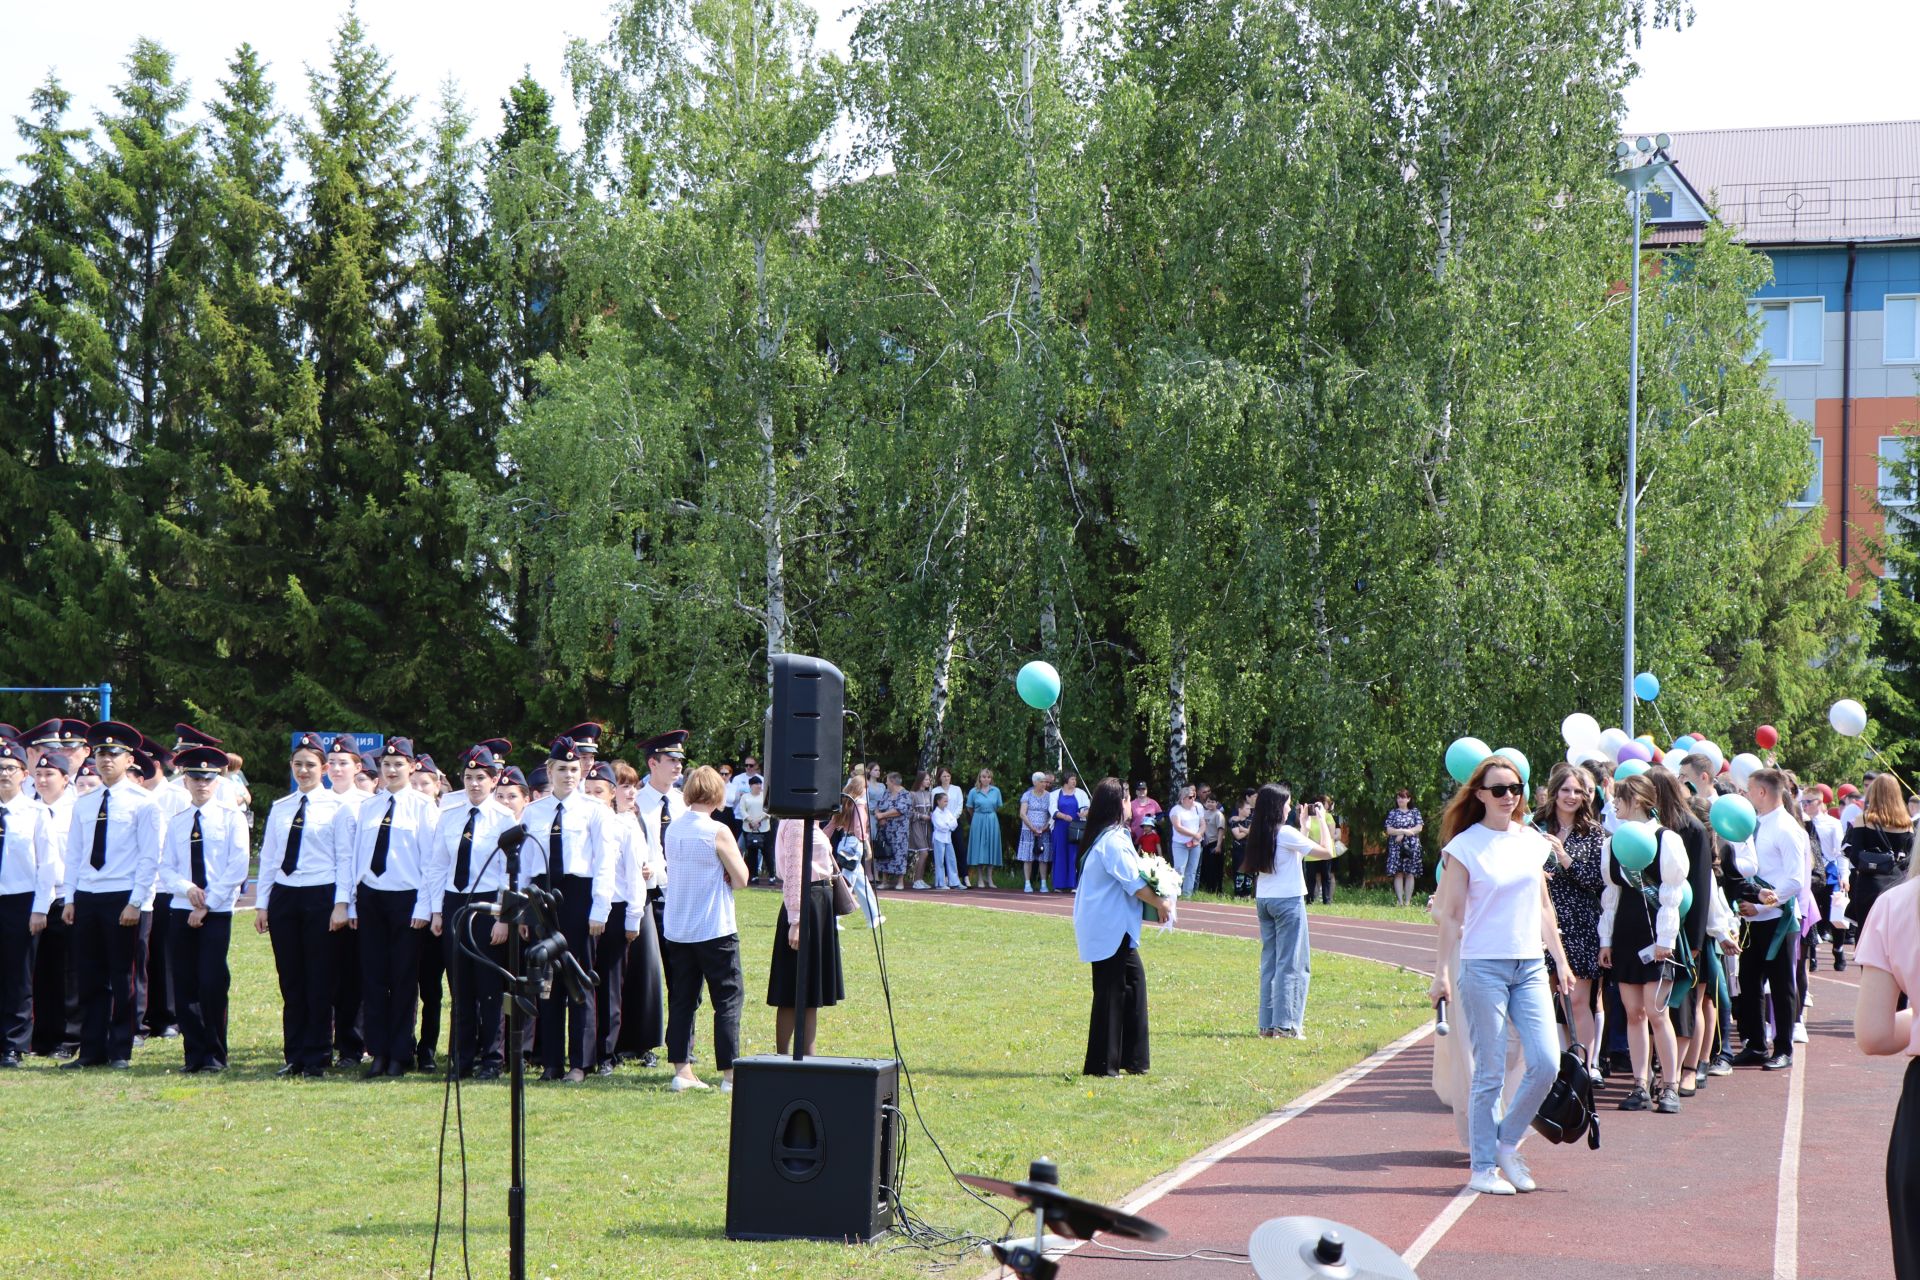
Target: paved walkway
[(1763, 1175)]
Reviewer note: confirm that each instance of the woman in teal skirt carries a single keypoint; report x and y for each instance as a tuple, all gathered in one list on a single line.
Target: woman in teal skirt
[(983, 837)]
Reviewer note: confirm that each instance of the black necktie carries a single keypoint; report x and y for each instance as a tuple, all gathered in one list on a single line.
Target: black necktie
[(197, 853), (666, 816), (556, 853), (99, 858), (295, 830), (463, 862), (3, 835), (380, 841)]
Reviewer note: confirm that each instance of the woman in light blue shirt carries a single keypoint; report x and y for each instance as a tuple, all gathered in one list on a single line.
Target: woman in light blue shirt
[(1106, 925)]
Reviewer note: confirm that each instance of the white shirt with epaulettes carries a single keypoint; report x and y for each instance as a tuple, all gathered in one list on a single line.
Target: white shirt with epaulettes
[(409, 837), (223, 854), (319, 859), (486, 865), (27, 860), (132, 861), (585, 849)]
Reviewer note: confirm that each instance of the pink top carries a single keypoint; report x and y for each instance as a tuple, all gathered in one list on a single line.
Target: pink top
[(786, 861), (1890, 940)]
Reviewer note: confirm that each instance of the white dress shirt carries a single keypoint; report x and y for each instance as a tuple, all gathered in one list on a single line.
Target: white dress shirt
[(646, 806), (223, 853), (132, 863), (585, 849), (625, 837), (410, 835), (59, 818), (27, 862), (486, 865), (1781, 852), (321, 859)]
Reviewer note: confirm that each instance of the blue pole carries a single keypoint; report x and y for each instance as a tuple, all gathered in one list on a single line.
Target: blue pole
[(106, 701)]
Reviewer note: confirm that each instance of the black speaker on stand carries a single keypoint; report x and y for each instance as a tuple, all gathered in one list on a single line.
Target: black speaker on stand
[(812, 1149)]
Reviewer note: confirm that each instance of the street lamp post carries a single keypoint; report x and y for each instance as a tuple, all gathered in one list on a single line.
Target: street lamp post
[(1634, 175)]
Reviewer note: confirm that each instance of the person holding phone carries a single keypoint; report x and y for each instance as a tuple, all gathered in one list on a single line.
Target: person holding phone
[(1494, 914), (1773, 869)]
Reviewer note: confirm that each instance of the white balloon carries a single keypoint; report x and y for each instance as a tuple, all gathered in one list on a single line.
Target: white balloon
[(1707, 747), (1848, 718), (1671, 760), (1744, 766), (1611, 741), (1580, 730)]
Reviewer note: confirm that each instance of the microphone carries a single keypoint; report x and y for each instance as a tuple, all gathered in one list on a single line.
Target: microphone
[(512, 838), (1440, 1027)]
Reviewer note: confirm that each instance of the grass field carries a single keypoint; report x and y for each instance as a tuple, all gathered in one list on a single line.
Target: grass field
[(153, 1174)]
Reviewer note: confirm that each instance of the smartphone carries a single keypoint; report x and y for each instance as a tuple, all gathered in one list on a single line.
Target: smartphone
[(1647, 953)]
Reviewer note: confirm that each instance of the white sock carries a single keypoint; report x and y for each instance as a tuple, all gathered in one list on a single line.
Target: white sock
[(1509, 1148)]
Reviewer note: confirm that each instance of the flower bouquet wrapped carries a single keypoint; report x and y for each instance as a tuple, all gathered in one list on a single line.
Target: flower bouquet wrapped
[(1165, 883)]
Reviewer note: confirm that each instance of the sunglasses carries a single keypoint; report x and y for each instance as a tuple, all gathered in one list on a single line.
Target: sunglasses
[(1504, 789)]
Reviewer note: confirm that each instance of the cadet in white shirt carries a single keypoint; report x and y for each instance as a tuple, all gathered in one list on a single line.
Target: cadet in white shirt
[(387, 899), (643, 1018), (56, 985), (467, 867), (1777, 871), (657, 803), (610, 948), (202, 865), (26, 887), (113, 858), (568, 851), (345, 768), (303, 875)]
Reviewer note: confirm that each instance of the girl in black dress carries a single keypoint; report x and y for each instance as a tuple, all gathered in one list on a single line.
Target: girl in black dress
[(1878, 848), (1638, 911), (1574, 883)]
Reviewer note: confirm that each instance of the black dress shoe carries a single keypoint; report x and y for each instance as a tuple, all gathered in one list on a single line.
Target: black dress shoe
[(191, 1069), (605, 1068), (548, 1077), (396, 1069), (9, 1059), (68, 1050), (375, 1069), (650, 1059), (426, 1062), (1839, 962), (286, 1069), (213, 1068), (1751, 1056), (1778, 1062), (312, 1073), (119, 1064), (487, 1073)]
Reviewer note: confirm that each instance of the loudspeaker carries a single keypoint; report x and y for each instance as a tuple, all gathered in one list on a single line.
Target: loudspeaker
[(812, 1149), (806, 736)]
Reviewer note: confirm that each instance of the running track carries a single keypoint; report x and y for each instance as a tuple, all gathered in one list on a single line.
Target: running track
[(1763, 1175)]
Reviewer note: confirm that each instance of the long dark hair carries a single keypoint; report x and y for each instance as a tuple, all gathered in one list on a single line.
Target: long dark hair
[(1547, 816), (1675, 813), (1269, 811), (1105, 810)]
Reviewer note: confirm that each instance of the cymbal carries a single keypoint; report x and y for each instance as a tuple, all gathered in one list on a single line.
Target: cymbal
[(1071, 1216), (1305, 1248)]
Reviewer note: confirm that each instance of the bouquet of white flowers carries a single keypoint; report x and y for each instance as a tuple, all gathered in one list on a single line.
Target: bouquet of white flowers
[(1165, 883)]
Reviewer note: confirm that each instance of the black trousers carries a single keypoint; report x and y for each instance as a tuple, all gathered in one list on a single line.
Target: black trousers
[(104, 951), (348, 1040), (304, 953), (475, 991), (16, 973), (757, 853), (1211, 867), (716, 962), (1117, 1036), (56, 986), (1779, 975), (197, 960), (643, 1005), (389, 972), (1903, 1178), (156, 976), (432, 973), (610, 962), (1320, 879), (569, 1033)]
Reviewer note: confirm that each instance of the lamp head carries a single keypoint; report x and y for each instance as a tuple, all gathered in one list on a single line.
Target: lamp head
[(1643, 145)]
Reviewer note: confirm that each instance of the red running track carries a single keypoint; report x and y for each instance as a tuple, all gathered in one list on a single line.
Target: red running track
[(1762, 1176)]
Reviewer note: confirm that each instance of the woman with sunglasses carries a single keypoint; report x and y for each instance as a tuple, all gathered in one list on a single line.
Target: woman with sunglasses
[(1640, 918), (1495, 916)]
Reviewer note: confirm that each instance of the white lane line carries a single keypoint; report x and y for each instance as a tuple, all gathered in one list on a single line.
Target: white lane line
[(1456, 1208), (1786, 1222), (1192, 1167), (1314, 934)]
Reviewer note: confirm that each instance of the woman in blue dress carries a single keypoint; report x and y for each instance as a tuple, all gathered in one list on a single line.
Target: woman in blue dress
[(891, 810), (983, 835), (1069, 805)]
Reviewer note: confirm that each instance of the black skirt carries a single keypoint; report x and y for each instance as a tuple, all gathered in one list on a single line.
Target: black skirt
[(824, 985), (1903, 1178)]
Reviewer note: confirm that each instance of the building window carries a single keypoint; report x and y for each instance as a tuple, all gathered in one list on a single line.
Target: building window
[(1810, 496), (1793, 331), (1902, 334), (1896, 480)]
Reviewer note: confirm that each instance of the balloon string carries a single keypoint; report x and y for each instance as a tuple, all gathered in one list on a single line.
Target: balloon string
[(1890, 773), (1663, 721)]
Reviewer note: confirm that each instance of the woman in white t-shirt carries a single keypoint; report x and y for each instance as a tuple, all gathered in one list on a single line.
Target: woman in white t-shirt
[(1274, 852), (1189, 825), (1494, 913)]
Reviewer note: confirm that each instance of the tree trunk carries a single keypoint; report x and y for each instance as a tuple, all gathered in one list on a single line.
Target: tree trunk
[(767, 349), (1177, 716), (942, 695), (1049, 621)]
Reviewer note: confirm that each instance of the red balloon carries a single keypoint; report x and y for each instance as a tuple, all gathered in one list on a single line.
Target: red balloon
[(1826, 793), (1725, 767), (1766, 737)]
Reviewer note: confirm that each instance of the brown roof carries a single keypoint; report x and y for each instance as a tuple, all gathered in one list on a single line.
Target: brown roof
[(1808, 184)]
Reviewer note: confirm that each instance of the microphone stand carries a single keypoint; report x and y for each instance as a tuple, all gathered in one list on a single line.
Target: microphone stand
[(510, 905), (800, 962)]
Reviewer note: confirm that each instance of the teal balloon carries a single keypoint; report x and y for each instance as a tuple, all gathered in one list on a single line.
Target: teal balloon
[(1733, 817), (1686, 899), (1514, 754), (1634, 845), (1684, 743), (1039, 685), (1646, 686), (1464, 756), (1629, 767)]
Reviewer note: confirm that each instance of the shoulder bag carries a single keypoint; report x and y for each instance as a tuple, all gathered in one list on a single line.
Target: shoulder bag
[(1567, 1115)]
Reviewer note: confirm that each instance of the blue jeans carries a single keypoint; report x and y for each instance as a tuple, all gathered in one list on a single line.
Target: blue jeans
[(1286, 969), (1186, 860), (1496, 994)]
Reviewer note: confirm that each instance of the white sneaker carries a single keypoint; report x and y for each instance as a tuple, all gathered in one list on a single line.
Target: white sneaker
[(921, 884), (1027, 888), (1516, 1172), (1799, 1033), (1488, 1182), (680, 1084), (726, 1086)]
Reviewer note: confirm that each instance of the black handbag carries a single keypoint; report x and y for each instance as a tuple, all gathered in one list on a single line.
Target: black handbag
[(1076, 831), (1567, 1115)]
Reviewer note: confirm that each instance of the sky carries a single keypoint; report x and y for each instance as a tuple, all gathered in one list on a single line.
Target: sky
[(1743, 62)]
